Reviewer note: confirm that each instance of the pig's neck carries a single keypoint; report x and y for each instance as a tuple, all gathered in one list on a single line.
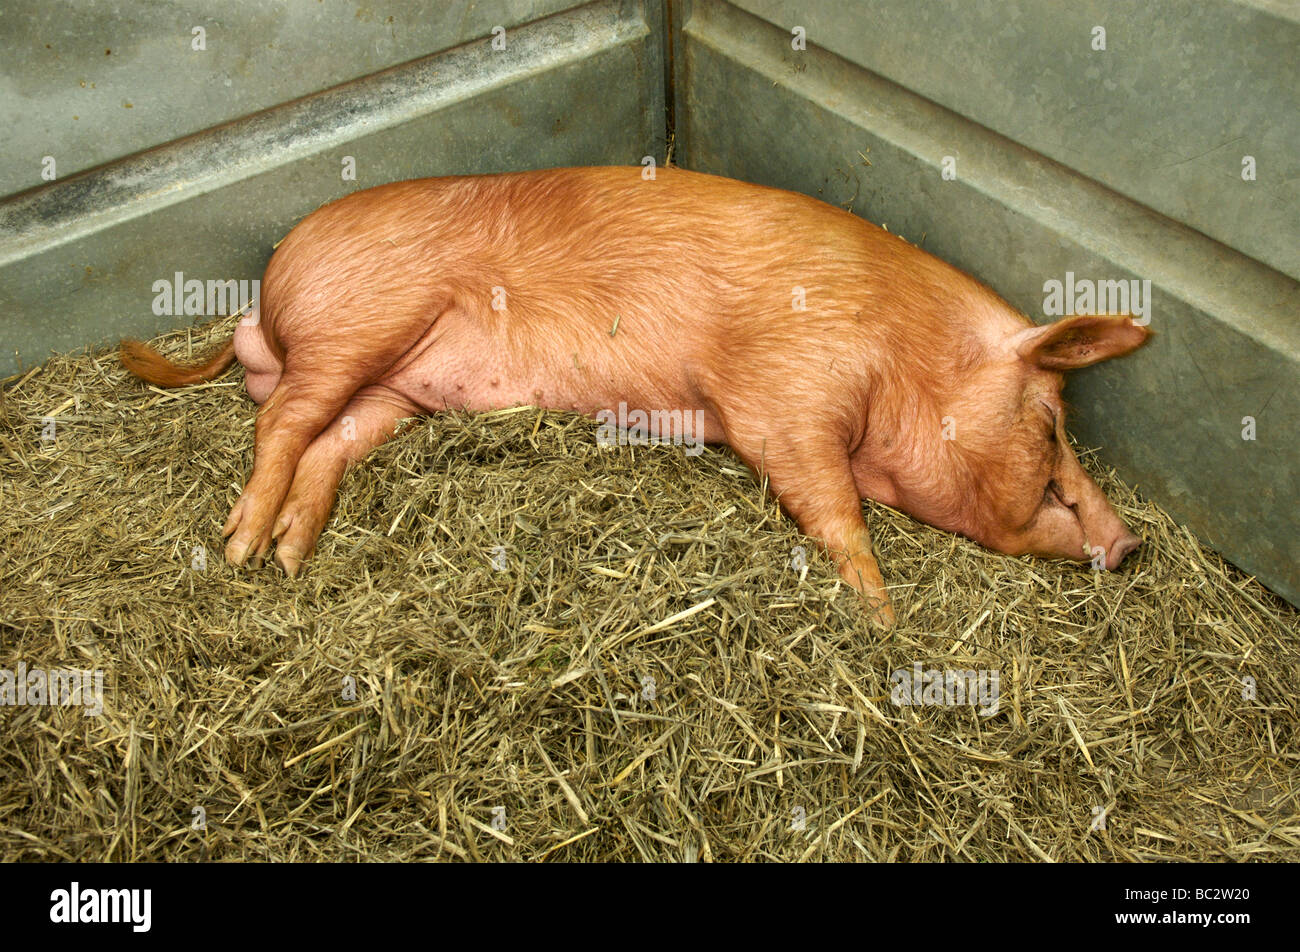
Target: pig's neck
[(911, 456)]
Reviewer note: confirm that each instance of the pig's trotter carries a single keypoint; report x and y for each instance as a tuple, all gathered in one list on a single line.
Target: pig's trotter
[(286, 424), (245, 549), (367, 421), (331, 357), (861, 570)]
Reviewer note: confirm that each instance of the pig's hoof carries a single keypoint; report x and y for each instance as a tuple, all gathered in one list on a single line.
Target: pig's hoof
[(235, 518), (884, 614), (296, 530), (245, 545), (250, 552), (238, 550), (291, 562)]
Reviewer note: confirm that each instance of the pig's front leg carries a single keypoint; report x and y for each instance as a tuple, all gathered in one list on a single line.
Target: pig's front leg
[(367, 421), (814, 483)]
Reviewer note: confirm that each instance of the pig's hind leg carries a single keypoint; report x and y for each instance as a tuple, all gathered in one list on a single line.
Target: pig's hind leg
[(297, 410), (813, 480), (367, 421), (328, 359)]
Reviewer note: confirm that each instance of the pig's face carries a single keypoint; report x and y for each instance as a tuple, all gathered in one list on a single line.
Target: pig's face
[(1040, 500), (1019, 486)]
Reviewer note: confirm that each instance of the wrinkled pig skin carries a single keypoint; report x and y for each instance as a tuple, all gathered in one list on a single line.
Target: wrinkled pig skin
[(831, 356)]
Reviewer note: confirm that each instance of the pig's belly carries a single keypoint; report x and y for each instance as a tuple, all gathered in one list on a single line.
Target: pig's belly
[(459, 367)]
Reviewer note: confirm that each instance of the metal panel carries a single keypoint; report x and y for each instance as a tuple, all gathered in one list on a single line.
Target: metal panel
[(1164, 114), (1227, 345), (79, 258), (96, 80)]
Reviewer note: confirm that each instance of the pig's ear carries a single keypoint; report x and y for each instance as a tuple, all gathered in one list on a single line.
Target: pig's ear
[(1079, 341)]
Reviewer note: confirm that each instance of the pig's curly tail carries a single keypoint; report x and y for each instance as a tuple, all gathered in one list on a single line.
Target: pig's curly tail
[(147, 364)]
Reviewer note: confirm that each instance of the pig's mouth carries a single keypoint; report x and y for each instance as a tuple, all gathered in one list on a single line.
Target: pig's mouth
[(1115, 553), (1068, 536)]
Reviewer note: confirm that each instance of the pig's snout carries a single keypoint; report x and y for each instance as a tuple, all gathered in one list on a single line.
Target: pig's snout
[(1119, 549)]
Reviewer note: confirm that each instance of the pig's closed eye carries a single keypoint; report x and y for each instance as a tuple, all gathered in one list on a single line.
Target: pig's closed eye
[(1052, 420)]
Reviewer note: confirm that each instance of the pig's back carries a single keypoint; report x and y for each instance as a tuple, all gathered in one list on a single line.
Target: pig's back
[(581, 287)]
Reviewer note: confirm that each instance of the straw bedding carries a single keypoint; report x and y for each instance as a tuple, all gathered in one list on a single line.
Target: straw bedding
[(646, 678)]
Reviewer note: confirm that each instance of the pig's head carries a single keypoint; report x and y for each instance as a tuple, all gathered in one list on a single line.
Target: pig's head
[(1007, 476)]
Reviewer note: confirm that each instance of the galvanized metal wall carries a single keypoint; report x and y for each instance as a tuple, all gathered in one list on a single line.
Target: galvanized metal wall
[(281, 100), (1171, 155), (1126, 162)]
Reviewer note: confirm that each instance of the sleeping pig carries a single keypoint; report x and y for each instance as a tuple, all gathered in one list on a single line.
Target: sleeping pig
[(831, 356)]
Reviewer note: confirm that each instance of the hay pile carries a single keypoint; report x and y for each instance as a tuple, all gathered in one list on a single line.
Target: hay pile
[(771, 733)]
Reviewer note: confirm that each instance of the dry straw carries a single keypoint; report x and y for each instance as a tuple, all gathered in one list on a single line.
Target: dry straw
[(647, 679)]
